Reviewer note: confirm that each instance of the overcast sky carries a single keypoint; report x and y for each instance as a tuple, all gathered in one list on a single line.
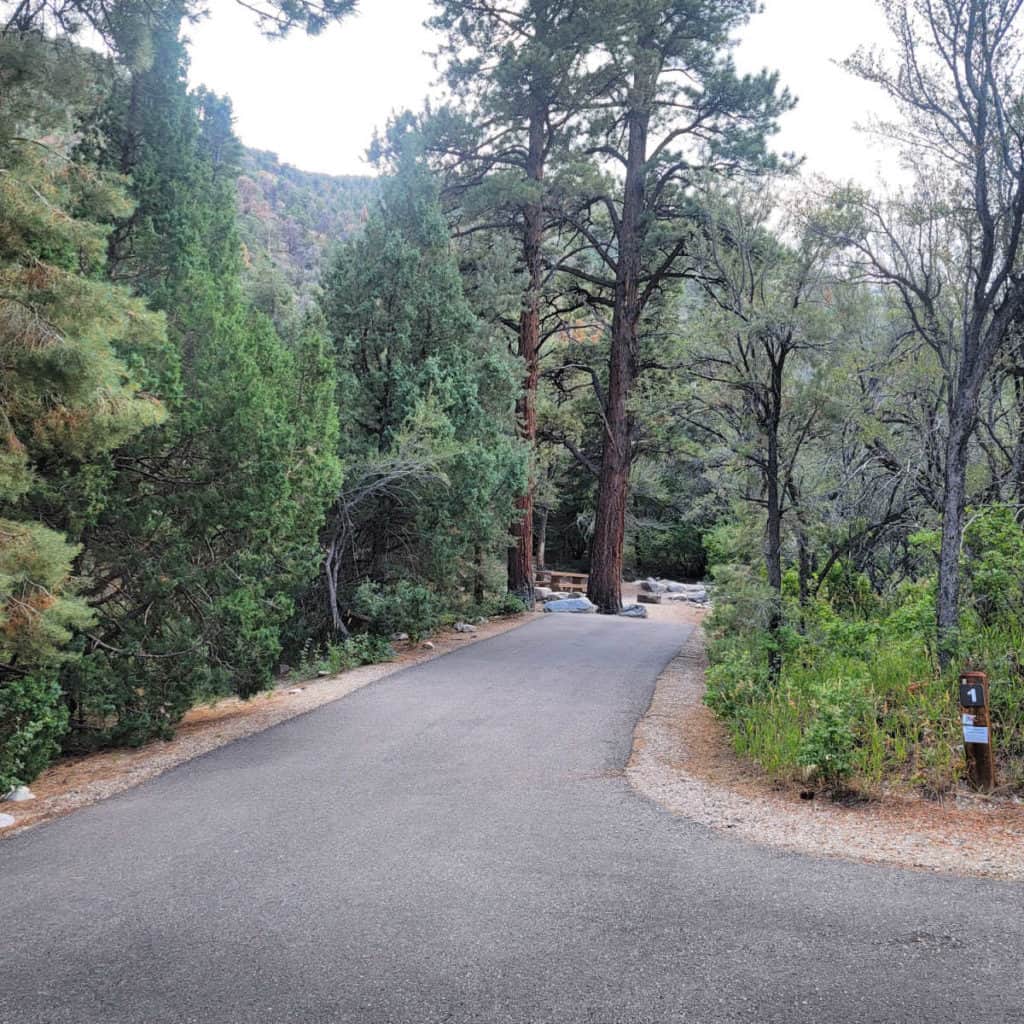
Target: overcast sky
[(315, 102)]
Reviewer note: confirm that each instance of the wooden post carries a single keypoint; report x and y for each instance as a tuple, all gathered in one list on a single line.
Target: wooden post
[(977, 729)]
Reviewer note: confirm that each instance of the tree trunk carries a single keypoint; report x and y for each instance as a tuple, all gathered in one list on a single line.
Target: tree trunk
[(773, 549), (947, 605), (520, 554), (1018, 452), (605, 585), (478, 574), (542, 536)]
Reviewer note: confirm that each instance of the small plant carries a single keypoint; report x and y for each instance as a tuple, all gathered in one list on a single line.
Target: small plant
[(828, 746)]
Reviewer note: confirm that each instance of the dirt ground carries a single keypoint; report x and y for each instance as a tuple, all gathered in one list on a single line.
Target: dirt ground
[(682, 759), (74, 782)]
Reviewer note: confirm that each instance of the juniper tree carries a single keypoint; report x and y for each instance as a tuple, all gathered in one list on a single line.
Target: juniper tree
[(952, 249), (426, 395)]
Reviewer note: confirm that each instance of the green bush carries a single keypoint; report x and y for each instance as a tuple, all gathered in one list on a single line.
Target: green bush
[(402, 607), (360, 649), (828, 745), (32, 721), (502, 604), (369, 649)]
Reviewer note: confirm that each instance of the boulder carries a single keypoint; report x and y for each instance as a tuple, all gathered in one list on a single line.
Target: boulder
[(634, 611), (542, 593), (649, 598), (652, 586), (556, 595), (20, 793), (6, 821), (464, 627), (577, 605), (399, 636), (428, 646)]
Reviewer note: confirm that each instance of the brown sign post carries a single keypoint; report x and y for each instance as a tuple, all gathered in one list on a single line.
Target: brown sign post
[(977, 728)]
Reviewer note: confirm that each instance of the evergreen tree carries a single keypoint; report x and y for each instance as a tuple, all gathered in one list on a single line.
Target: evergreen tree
[(211, 529), (519, 73), (672, 109), (426, 399), (66, 398)]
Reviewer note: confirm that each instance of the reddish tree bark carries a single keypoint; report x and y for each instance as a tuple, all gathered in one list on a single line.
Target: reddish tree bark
[(520, 554), (604, 586)]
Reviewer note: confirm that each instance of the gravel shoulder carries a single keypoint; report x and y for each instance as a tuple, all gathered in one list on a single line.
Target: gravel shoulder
[(74, 782), (682, 760)]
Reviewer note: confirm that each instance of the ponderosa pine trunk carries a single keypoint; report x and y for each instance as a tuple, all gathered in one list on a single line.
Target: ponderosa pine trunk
[(604, 587), (520, 554)]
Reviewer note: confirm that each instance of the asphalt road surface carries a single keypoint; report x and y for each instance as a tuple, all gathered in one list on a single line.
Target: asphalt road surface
[(456, 843)]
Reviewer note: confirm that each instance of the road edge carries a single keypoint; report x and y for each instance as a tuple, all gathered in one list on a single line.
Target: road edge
[(664, 768)]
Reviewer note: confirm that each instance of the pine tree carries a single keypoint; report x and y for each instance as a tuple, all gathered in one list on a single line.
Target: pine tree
[(66, 397), (519, 73), (672, 109)]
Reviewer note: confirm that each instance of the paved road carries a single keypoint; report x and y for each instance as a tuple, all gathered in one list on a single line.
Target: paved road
[(456, 844)]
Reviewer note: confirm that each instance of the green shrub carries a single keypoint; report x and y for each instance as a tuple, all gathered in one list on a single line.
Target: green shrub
[(32, 721), (360, 649), (369, 649), (402, 607), (828, 745), (502, 604)]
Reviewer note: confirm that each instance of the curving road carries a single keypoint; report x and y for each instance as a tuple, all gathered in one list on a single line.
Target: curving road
[(456, 843)]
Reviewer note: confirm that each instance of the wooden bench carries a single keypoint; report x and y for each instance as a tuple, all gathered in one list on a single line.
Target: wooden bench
[(563, 582)]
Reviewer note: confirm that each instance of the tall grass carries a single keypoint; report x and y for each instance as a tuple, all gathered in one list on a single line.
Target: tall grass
[(861, 702)]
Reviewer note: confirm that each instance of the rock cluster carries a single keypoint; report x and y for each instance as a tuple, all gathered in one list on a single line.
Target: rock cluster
[(694, 593)]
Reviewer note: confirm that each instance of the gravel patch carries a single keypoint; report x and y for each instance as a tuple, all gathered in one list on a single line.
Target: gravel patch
[(682, 759)]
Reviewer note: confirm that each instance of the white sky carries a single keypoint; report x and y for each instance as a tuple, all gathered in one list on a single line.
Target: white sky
[(316, 102)]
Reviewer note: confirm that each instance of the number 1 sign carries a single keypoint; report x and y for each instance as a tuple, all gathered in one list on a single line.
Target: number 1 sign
[(977, 729)]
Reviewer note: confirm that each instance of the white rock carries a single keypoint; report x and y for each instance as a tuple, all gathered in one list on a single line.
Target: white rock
[(295, 689), (634, 611), (542, 593), (6, 821), (652, 586), (19, 794), (464, 627), (572, 605), (400, 636), (428, 646)]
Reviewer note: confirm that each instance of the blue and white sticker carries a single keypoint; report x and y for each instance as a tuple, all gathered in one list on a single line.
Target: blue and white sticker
[(975, 734)]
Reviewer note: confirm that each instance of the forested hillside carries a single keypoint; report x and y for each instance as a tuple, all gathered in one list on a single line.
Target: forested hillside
[(586, 316), (288, 220)]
